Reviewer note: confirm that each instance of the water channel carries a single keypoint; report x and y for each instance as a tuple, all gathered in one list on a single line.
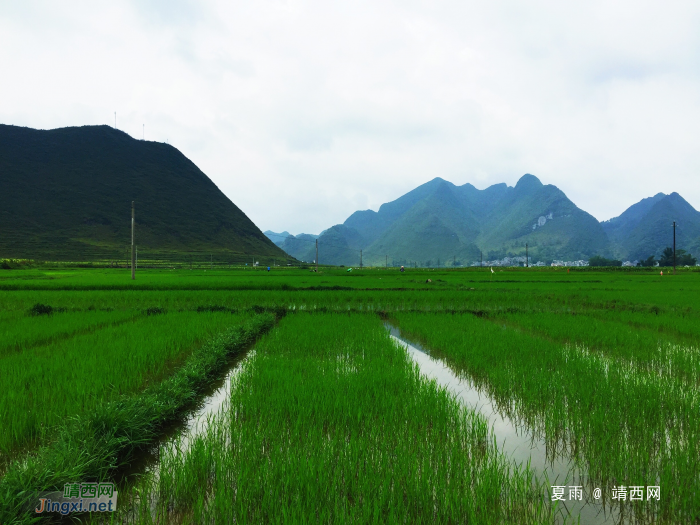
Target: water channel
[(517, 442)]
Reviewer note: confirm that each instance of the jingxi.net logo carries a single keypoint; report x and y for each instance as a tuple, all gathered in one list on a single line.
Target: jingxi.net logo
[(79, 497)]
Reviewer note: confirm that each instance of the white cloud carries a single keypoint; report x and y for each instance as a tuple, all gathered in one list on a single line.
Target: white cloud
[(303, 112)]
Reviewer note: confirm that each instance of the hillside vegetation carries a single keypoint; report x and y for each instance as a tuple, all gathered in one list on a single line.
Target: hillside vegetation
[(440, 224), (66, 194)]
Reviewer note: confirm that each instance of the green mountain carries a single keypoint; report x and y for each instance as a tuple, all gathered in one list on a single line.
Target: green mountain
[(277, 238), (301, 247), (618, 228), (543, 217), (440, 223), (646, 228), (65, 194)]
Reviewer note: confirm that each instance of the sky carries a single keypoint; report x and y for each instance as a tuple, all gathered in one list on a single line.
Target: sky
[(303, 112)]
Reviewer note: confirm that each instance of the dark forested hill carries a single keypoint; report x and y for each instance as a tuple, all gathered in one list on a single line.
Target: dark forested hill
[(66, 194)]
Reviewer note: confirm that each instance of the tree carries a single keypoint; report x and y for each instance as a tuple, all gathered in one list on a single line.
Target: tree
[(649, 261), (666, 258), (682, 258), (685, 259)]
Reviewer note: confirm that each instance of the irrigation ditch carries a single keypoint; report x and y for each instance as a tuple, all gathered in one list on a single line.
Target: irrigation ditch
[(177, 437), (517, 441)]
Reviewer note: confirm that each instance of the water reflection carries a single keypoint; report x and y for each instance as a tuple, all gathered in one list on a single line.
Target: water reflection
[(518, 441)]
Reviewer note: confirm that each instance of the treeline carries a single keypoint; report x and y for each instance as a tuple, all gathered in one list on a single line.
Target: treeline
[(682, 259)]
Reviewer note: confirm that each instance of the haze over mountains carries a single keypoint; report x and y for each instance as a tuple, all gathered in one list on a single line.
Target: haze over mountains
[(440, 223), (65, 194)]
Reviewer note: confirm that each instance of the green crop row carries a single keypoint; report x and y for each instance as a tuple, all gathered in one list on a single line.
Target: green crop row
[(640, 344), (622, 424), (94, 445), (19, 331), (46, 384), (331, 422)]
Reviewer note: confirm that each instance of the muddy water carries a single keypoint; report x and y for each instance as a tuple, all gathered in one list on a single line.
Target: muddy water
[(516, 441)]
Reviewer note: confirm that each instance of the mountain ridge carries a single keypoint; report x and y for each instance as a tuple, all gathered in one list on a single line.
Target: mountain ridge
[(441, 221)]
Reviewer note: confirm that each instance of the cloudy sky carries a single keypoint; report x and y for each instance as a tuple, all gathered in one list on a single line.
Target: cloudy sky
[(303, 112)]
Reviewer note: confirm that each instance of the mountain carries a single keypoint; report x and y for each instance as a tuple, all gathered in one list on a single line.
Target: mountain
[(301, 247), (618, 228), (277, 238), (646, 228), (543, 216), (440, 223), (65, 194)]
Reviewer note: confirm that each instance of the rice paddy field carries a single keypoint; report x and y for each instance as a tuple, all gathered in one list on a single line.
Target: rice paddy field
[(363, 396)]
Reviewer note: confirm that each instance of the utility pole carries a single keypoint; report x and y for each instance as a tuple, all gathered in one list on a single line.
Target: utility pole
[(454, 260), (316, 255), (481, 259), (360, 259), (386, 261), (527, 261), (674, 247), (133, 253)]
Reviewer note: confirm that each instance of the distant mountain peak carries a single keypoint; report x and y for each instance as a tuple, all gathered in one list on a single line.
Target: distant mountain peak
[(676, 197), (645, 228), (528, 181)]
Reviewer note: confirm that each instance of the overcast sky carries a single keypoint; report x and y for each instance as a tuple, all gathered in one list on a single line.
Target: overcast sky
[(303, 112)]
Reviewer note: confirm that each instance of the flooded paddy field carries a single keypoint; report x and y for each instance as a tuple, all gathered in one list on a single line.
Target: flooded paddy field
[(526, 396)]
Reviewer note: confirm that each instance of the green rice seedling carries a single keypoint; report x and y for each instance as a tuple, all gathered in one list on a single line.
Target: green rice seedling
[(640, 346), (44, 385), (21, 332), (96, 444), (675, 302), (624, 425), (331, 422), (682, 327)]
